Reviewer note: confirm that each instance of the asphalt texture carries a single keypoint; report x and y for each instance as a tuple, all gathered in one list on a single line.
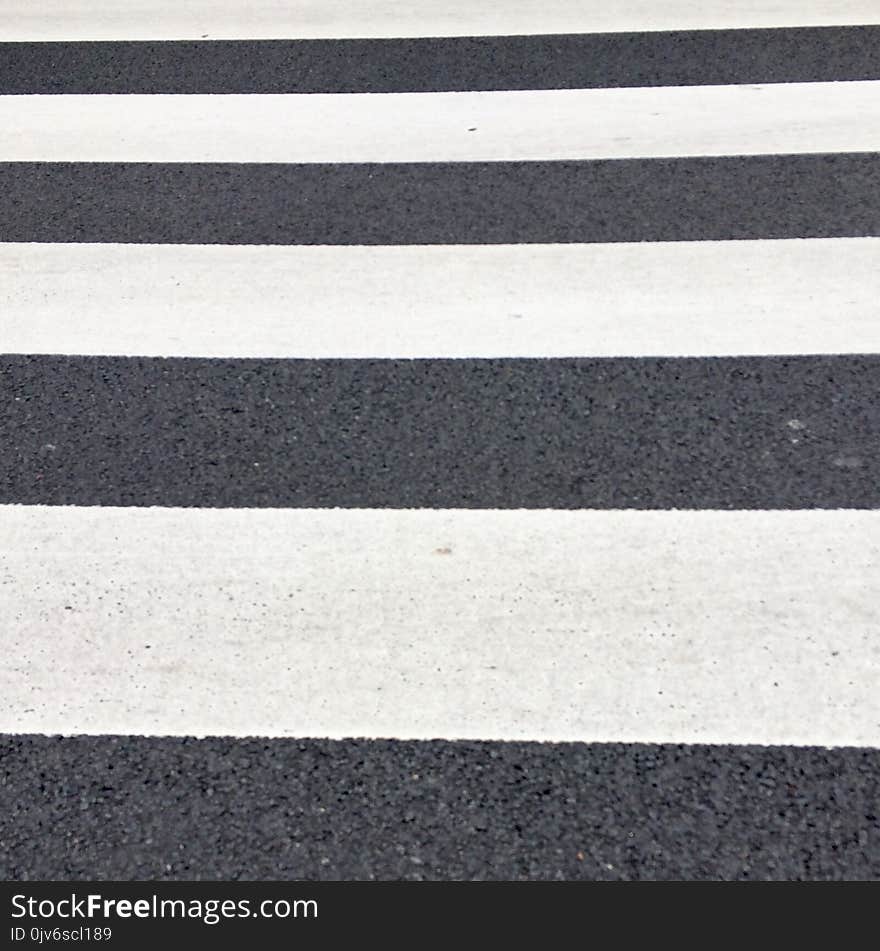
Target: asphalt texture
[(690, 433), (448, 64), (684, 199), (162, 809), (727, 433)]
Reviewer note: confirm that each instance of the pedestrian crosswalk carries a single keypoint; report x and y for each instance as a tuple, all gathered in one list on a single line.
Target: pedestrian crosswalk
[(400, 398), (526, 625), (543, 125), (94, 20), (782, 297)]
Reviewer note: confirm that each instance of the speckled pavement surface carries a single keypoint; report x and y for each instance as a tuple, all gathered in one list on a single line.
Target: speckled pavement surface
[(688, 199), (757, 433), (613, 433), (135, 808), (436, 64)]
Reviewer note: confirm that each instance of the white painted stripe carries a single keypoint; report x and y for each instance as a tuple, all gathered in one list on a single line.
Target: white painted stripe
[(724, 627), (304, 19), (646, 299), (446, 127)]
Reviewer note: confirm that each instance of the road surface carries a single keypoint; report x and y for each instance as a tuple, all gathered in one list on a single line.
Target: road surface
[(440, 441)]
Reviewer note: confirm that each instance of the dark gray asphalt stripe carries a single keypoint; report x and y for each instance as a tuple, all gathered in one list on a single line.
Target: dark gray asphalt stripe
[(165, 809), (770, 196), (700, 433), (568, 61)]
